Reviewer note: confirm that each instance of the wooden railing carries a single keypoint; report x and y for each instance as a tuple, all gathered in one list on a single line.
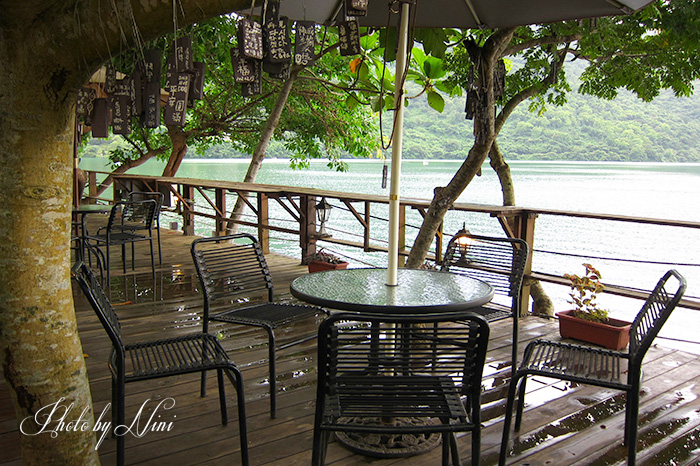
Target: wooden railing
[(299, 204)]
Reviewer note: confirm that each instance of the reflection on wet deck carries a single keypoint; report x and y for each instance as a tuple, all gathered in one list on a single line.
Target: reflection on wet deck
[(564, 424)]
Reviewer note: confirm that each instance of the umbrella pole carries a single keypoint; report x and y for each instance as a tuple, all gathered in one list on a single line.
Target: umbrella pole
[(396, 149)]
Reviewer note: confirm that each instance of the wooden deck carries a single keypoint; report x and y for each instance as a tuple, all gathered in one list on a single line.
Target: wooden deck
[(669, 416)]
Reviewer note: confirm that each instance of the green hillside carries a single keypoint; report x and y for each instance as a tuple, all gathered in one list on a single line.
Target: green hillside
[(586, 128)]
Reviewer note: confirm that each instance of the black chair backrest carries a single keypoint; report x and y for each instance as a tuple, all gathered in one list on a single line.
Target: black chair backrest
[(98, 300), (498, 261), (350, 345), (232, 270), (654, 314), (133, 215), (148, 195)]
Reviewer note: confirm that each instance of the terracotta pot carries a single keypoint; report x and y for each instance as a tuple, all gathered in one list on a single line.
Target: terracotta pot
[(615, 334), (320, 266)]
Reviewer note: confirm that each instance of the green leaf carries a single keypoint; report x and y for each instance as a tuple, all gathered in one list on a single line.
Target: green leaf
[(433, 68), (436, 101)]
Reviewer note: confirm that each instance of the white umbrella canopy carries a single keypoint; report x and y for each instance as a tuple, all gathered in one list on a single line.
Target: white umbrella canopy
[(462, 14)]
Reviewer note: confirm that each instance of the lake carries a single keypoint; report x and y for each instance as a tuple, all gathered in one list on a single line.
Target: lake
[(626, 254)]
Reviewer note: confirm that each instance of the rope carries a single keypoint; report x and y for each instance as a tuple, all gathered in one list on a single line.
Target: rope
[(638, 261)]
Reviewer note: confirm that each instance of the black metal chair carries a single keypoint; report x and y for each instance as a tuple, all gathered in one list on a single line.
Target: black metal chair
[(155, 359), (409, 372), (159, 198), (237, 288), (498, 261), (124, 219), (598, 366)]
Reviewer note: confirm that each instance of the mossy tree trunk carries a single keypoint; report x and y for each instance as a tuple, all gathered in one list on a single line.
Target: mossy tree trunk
[(47, 51)]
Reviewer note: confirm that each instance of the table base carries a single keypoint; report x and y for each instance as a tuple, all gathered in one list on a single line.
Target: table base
[(389, 445)]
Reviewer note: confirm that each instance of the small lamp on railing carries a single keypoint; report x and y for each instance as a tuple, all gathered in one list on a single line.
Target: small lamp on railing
[(323, 213), (462, 242)]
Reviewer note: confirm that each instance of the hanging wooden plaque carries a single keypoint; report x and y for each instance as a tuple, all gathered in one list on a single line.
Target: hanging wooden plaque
[(176, 108), (100, 118), (253, 87), (250, 38), (304, 51), (197, 82), (170, 72), (283, 72), (84, 102), (271, 12), (277, 42), (110, 79), (121, 115), (151, 66), (356, 7), (150, 117), (183, 54), (136, 80), (243, 67), (349, 37)]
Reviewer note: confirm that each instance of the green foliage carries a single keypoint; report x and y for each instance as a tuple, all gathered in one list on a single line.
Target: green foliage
[(584, 292)]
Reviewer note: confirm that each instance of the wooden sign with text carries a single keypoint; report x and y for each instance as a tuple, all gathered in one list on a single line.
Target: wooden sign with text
[(304, 48), (176, 108), (349, 37)]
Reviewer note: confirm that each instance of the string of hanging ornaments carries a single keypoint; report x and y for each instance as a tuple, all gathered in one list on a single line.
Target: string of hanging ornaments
[(264, 45)]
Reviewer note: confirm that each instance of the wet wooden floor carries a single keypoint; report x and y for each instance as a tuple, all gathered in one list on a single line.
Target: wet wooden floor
[(563, 424)]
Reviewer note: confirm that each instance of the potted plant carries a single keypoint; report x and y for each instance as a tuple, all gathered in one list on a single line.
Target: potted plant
[(323, 260), (587, 321)]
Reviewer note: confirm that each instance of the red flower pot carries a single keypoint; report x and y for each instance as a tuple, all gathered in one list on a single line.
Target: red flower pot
[(615, 334), (320, 266)]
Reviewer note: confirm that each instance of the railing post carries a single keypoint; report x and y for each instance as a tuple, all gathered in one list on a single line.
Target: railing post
[(220, 222), (263, 223), (402, 235), (307, 226), (188, 210), (525, 228), (92, 187), (367, 239)]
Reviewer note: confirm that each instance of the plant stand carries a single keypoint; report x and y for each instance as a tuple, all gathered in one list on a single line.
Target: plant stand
[(613, 335)]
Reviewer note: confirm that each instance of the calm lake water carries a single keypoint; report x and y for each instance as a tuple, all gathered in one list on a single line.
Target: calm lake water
[(626, 254)]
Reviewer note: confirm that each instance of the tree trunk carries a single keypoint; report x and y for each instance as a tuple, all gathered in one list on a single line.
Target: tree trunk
[(179, 141), (484, 59), (259, 154), (123, 168), (48, 50), (40, 350), (542, 305)]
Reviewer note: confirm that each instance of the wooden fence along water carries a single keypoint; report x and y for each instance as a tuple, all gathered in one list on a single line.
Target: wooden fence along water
[(299, 205)]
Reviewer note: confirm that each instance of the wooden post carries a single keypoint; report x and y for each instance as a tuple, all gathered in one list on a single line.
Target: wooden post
[(263, 223), (525, 228), (402, 235), (307, 226), (92, 187), (367, 238), (188, 210), (220, 222)]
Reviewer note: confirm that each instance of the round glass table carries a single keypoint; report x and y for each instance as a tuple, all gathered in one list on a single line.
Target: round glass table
[(418, 291)]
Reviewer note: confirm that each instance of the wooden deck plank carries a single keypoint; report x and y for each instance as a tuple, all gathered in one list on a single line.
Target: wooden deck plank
[(172, 306)]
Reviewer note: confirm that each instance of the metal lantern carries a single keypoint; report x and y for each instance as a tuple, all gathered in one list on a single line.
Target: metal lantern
[(323, 213), (462, 242)]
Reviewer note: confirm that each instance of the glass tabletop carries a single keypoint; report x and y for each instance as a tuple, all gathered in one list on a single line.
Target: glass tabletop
[(418, 291)]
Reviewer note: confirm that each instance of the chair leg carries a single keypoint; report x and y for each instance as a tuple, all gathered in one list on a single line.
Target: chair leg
[(160, 254), (153, 263), (273, 371), (446, 440), (119, 406), (320, 445), (236, 379), (631, 419), (222, 396), (521, 402), (507, 419)]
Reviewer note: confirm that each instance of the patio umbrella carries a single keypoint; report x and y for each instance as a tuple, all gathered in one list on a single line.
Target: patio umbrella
[(464, 14)]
